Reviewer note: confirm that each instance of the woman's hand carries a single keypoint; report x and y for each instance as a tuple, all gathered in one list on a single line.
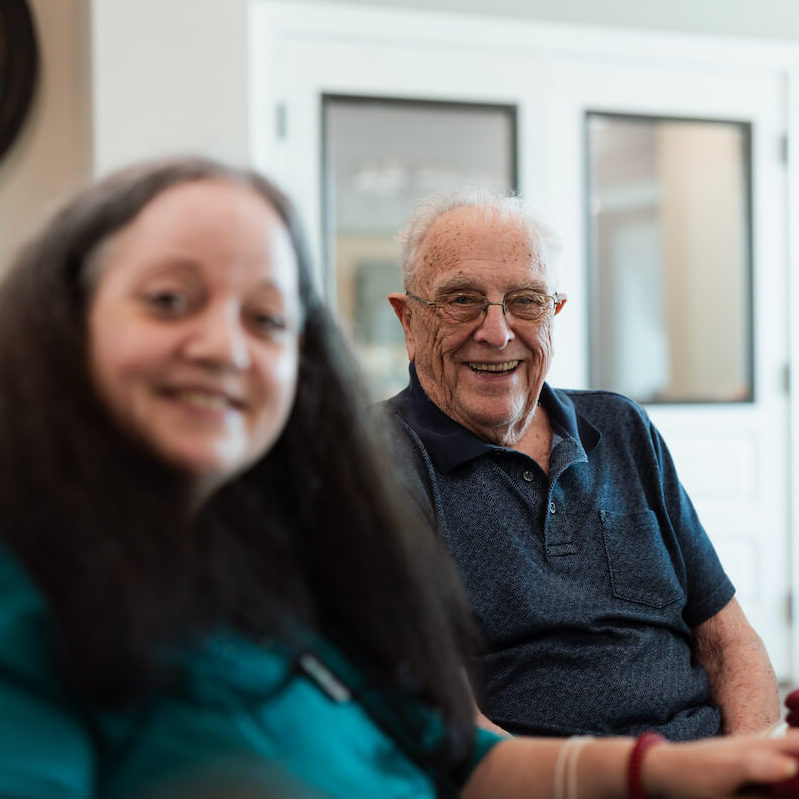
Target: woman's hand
[(720, 766)]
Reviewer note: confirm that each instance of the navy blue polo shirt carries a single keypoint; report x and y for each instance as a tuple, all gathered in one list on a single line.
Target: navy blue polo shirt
[(586, 582)]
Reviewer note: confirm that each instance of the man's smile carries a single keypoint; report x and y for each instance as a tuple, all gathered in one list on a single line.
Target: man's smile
[(496, 368)]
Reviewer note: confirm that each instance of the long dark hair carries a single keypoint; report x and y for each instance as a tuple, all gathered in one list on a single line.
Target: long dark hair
[(316, 534)]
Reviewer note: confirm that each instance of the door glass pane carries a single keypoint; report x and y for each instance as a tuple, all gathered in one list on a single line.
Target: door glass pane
[(380, 157), (670, 258)]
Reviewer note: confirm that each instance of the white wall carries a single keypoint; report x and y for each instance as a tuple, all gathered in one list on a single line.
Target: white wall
[(169, 76), (768, 18), (123, 79)]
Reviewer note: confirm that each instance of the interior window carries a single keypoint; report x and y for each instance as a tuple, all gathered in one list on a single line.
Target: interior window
[(669, 210), (381, 156)]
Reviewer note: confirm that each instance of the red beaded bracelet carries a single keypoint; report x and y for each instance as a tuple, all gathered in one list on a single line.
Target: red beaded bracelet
[(642, 743)]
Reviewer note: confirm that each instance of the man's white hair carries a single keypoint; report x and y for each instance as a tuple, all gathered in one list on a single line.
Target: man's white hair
[(495, 205)]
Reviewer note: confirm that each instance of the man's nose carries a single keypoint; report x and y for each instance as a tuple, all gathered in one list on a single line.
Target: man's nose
[(494, 329), (220, 338)]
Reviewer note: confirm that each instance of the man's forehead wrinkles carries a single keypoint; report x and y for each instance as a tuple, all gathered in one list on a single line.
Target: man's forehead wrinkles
[(499, 242)]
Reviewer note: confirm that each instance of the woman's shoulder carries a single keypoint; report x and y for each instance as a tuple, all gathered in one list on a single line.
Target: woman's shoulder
[(26, 623), (28, 630), (44, 749)]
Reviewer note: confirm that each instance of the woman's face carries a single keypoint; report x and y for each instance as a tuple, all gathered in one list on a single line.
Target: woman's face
[(193, 327)]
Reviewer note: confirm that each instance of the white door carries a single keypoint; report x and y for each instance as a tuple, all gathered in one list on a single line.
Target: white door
[(733, 457)]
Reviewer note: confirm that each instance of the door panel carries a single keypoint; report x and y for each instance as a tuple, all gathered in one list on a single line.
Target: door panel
[(732, 457), (380, 156)]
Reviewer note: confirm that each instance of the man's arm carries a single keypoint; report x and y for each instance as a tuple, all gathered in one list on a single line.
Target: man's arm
[(742, 681)]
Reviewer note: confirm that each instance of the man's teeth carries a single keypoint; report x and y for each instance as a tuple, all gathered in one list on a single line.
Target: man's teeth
[(203, 400), (494, 367)]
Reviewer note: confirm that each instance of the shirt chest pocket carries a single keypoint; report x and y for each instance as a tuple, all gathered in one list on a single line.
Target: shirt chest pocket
[(639, 563)]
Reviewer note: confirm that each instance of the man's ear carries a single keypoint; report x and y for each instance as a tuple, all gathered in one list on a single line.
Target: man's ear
[(399, 302)]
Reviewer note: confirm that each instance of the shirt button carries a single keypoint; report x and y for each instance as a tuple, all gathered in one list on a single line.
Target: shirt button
[(528, 476), (551, 507)]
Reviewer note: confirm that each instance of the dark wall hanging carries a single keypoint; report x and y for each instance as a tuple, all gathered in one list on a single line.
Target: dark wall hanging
[(19, 65)]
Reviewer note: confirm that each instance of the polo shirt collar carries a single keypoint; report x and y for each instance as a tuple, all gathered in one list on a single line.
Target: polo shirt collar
[(449, 444)]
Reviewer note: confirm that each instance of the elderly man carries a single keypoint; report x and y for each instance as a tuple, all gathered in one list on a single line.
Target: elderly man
[(603, 606)]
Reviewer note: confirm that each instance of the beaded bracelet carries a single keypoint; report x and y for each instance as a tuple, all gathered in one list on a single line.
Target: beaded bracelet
[(642, 743), (565, 785)]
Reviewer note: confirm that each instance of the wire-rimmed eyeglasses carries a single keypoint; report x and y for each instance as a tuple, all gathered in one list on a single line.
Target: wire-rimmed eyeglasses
[(462, 307)]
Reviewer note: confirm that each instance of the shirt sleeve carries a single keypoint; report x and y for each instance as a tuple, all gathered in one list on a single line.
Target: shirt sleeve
[(485, 741), (708, 588), (45, 751)]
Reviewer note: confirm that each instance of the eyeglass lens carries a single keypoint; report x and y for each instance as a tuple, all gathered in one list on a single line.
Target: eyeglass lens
[(527, 306)]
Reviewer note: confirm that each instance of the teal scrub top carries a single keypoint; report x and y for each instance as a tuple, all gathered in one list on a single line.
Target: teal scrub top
[(246, 716)]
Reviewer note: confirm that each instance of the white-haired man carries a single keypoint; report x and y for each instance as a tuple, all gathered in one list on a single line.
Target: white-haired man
[(602, 603)]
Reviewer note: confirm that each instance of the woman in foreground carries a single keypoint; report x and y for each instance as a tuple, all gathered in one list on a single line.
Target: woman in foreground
[(210, 583)]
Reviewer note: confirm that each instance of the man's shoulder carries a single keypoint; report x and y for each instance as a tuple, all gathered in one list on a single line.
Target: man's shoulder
[(600, 401), (410, 454), (395, 415), (395, 412), (398, 405), (413, 415), (611, 414)]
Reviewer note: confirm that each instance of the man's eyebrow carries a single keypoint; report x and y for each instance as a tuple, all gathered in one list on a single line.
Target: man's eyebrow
[(465, 284), (461, 284), (533, 285)]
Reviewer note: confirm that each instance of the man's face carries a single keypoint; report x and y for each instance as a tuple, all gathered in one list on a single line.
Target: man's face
[(486, 374)]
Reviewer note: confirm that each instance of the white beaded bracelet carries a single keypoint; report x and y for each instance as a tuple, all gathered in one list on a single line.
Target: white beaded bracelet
[(565, 785)]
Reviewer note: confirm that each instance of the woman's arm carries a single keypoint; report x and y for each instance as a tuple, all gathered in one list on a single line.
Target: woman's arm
[(524, 768)]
